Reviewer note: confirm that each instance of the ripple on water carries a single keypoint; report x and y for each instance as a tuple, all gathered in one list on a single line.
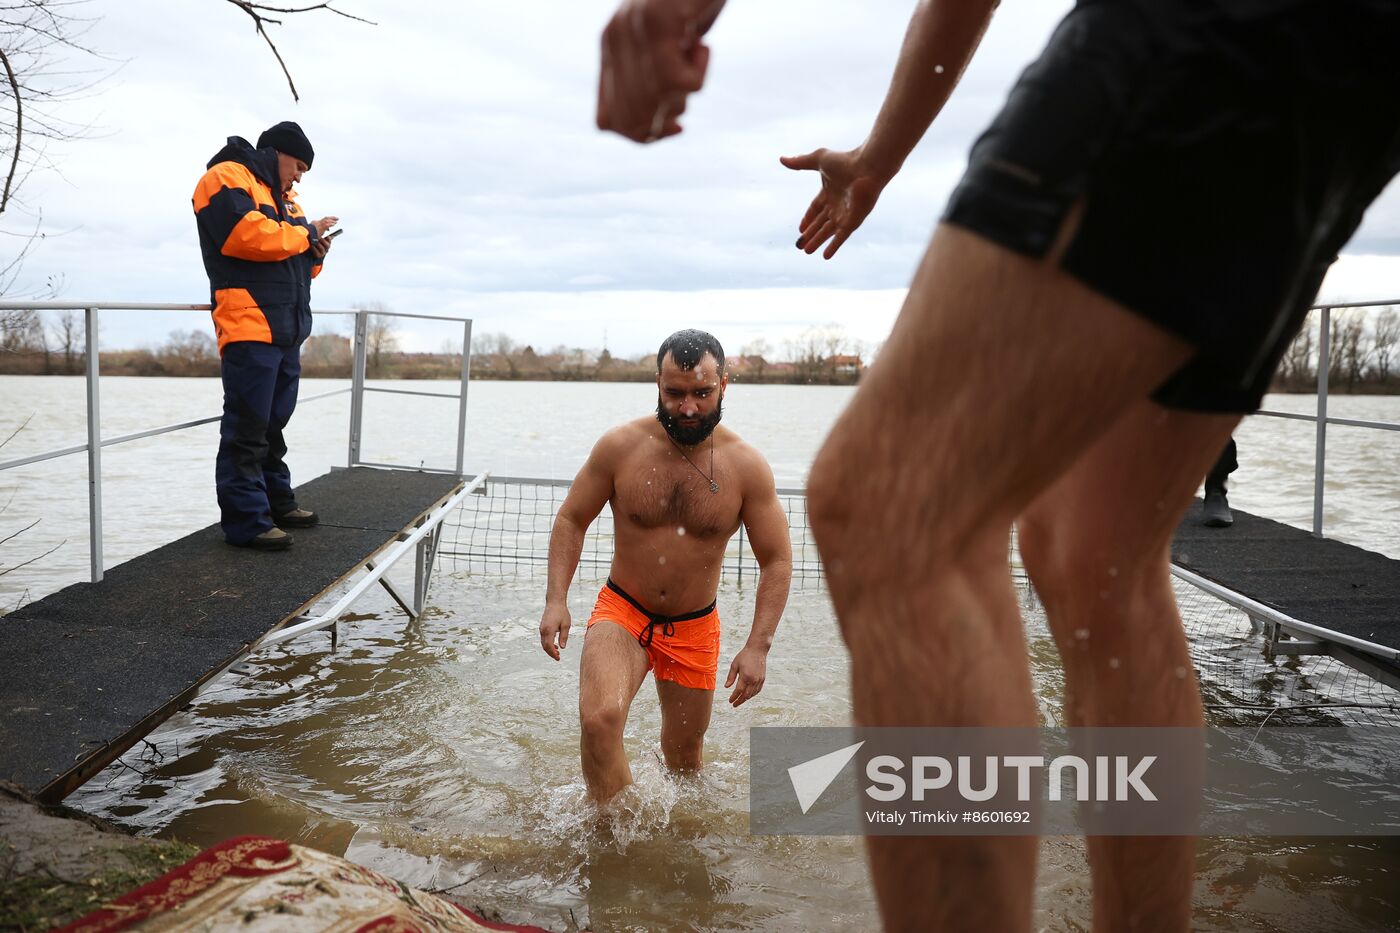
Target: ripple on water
[(446, 753)]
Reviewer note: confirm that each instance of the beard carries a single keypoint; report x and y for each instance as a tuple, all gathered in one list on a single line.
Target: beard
[(689, 436)]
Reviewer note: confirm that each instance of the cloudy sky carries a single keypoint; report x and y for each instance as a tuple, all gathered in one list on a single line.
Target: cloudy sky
[(455, 140)]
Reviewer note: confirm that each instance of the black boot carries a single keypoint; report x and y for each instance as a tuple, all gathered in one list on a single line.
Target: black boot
[(1217, 508)]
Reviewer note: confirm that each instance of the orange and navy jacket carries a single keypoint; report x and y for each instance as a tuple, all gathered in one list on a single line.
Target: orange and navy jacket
[(256, 245)]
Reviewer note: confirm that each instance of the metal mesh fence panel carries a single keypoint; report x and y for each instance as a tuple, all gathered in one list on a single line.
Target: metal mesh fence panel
[(506, 529), (1244, 683)]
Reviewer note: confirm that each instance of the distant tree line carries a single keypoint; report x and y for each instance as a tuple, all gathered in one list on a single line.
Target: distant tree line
[(1364, 354), (818, 356), (32, 343), (53, 343)]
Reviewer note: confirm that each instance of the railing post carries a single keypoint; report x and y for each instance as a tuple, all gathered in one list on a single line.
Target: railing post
[(462, 402), (357, 385), (741, 554), (94, 445), (1324, 374), (422, 572)]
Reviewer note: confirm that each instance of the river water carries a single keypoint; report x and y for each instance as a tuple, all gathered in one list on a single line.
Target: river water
[(445, 752)]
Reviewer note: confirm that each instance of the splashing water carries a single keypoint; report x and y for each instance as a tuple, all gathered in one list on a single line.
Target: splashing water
[(565, 816)]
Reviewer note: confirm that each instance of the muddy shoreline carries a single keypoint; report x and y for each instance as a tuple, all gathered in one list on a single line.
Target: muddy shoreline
[(58, 864)]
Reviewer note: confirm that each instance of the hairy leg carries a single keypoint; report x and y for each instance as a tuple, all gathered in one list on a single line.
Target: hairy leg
[(685, 715), (1000, 372), (610, 673), (1097, 546)]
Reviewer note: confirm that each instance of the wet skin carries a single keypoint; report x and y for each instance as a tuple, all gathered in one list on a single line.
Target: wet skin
[(671, 531)]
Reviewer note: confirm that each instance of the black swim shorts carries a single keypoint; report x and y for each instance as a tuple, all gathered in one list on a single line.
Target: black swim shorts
[(1223, 152)]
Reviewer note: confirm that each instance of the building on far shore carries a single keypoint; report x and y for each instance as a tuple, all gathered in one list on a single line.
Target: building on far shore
[(845, 365)]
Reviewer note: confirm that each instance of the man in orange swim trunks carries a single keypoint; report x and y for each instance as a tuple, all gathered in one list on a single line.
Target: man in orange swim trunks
[(679, 486)]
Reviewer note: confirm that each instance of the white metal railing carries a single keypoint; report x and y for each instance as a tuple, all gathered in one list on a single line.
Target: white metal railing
[(376, 574), (95, 441), (358, 387), (1324, 371)]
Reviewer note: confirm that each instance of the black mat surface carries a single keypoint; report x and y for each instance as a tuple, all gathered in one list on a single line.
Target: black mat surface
[(1328, 583), (87, 671)]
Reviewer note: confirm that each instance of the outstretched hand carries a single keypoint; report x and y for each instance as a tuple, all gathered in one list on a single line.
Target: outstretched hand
[(848, 195)]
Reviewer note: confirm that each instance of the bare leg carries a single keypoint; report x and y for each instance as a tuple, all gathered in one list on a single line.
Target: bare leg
[(685, 715), (999, 374), (610, 672), (1097, 546)]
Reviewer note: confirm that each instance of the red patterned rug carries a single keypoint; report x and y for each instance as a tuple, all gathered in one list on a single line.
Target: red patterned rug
[(254, 884)]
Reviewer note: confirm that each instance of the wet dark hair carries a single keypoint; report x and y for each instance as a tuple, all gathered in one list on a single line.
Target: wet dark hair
[(689, 348)]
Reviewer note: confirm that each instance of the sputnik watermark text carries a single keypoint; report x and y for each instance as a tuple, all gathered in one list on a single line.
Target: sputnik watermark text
[(1168, 781)]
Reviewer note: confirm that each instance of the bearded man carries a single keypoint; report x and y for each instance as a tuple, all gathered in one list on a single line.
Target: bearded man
[(679, 486)]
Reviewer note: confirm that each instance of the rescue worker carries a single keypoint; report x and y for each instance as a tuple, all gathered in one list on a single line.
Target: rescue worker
[(260, 253)]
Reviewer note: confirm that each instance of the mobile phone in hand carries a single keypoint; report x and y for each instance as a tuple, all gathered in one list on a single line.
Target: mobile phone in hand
[(334, 233)]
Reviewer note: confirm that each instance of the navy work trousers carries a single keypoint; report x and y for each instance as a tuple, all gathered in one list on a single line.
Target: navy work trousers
[(1227, 464), (260, 394)]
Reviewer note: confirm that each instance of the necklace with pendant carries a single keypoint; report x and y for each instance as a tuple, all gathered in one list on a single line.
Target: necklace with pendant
[(714, 487)]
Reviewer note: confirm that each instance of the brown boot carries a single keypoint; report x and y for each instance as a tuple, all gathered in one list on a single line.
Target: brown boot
[(274, 539), (296, 518)]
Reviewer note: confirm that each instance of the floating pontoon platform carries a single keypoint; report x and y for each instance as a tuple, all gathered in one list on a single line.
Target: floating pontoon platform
[(87, 672), (1311, 595)]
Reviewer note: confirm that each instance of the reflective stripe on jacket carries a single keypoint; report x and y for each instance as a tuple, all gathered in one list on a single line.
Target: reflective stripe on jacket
[(256, 246)]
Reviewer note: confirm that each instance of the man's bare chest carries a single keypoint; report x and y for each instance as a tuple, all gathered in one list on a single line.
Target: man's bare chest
[(669, 492)]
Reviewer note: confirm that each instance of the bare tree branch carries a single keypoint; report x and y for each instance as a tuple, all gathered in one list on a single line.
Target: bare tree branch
[(270, 44), (19, 131), (44, 69), (21, 531), (23, 424), (35, 36), (256, 11), (31, 560), (248, 4)]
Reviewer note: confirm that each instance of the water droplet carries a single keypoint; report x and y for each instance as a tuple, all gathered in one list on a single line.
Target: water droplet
[(681, 532), (1082, 634), (1113, 663), (1113, 571), (1181, 673), (661, 560), (938, 69)]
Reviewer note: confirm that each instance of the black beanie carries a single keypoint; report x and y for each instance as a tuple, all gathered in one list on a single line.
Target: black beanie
[(287, 137)]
